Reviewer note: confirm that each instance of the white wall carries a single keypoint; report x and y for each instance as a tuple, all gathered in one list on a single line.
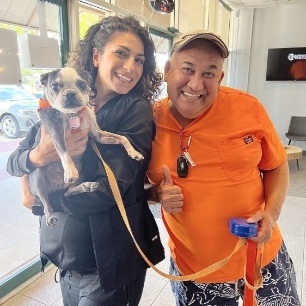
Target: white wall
[(270, 28), (240, 48)]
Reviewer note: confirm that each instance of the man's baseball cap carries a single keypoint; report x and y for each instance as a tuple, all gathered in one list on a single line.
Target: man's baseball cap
[(185, 39)]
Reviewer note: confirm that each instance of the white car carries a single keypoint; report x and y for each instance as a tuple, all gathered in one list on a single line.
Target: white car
[(18, 110)]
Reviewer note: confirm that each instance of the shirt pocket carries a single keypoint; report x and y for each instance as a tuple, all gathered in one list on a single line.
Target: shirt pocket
[(240, 157)]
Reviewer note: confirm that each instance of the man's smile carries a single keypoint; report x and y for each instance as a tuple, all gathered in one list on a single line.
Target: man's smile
[(191, 96)]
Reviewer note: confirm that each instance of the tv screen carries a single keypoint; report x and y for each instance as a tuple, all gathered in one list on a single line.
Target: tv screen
[(286, 64)]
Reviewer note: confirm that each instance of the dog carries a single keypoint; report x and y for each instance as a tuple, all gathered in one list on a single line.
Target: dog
[(67, 95)]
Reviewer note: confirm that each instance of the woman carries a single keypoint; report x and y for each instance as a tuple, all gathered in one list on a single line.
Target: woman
[(98, 261)]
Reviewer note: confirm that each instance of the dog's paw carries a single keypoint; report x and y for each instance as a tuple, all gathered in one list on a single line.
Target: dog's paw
[(71, 175), (135, 154), (51, 221), (90, 186), (84, 187), (70, 180)]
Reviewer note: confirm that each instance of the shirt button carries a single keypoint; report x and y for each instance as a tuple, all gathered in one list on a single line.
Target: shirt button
[(69, 287)]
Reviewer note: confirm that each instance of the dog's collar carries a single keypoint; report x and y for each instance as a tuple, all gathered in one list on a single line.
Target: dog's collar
[(42, 103)]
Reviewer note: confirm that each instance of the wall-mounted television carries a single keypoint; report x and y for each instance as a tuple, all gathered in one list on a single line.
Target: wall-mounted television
[(286, 64)]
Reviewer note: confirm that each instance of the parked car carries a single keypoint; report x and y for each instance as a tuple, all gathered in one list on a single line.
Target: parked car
[(18, 110)]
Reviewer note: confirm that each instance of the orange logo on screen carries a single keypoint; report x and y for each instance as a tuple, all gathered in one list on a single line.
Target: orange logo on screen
[(298, 70)]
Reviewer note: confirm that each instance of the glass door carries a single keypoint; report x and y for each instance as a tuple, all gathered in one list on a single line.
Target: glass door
[(31, 42)]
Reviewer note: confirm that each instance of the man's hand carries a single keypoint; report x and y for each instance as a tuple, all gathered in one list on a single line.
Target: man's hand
[(170, 195), (265, 226), (276, 185)]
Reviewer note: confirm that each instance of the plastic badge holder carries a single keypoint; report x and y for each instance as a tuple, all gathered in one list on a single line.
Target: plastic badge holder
[(241, 228)]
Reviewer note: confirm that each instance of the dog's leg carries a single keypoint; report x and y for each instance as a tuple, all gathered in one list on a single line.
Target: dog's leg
[(55, 123), (110, 138), (38, 185)]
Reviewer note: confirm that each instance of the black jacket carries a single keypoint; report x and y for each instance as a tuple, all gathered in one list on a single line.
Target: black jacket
[(91, 232)]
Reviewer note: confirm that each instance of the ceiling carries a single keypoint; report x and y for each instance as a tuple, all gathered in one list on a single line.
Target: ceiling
[(253, 4), (24, 12)]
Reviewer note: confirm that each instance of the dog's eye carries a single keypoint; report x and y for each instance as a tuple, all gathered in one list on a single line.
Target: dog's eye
[(82, 85), (55, 87)]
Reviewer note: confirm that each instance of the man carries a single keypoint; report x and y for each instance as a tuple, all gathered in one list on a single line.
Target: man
[(216, 155)]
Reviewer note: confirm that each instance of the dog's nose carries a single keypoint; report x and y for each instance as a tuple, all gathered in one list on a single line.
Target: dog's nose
[(70, 95), (71, 100)]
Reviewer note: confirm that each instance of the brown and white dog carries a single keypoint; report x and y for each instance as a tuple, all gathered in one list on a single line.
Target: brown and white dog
[(67, 94)]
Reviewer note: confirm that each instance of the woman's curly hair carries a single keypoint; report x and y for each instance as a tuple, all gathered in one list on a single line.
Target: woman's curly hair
[(100, 34)]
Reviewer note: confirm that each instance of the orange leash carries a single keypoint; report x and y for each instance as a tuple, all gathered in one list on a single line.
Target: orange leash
[(253, 272), (249, 294), (253, 278), (115, 189)]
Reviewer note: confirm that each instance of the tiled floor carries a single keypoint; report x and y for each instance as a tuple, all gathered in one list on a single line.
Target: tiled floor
[(157, 292)]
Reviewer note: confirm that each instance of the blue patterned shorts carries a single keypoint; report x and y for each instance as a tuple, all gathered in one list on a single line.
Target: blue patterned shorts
[(279, 287)]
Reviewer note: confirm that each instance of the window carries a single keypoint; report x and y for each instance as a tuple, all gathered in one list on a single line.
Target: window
[(31, 42)]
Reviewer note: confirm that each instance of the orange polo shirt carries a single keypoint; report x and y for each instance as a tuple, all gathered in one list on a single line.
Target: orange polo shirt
[(230, 143)]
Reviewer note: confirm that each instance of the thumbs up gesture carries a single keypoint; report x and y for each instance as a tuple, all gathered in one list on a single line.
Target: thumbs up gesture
[(170, 195)]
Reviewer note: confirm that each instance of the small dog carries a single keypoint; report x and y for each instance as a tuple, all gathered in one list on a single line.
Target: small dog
[(67, 92)]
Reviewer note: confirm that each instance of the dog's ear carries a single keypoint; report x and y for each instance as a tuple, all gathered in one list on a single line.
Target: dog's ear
[(85, 76), (45, 76)]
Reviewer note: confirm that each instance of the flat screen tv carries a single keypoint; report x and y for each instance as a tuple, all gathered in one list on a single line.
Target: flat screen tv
[(286, 64)]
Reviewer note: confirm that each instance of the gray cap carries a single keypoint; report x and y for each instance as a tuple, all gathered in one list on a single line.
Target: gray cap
[(185, 39)]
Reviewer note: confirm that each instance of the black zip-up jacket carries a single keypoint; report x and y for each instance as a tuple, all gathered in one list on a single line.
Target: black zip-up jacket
[(90, 232)]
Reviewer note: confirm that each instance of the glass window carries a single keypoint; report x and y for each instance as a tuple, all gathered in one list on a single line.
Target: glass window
[(29, 46), (162, 46), (88, 17)]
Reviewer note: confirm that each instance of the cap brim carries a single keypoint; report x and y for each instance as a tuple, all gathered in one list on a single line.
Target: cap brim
[(184, 40)]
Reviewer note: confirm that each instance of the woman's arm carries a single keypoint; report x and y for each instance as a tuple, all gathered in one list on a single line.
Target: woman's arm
[(45, 152), (29, 156), (37, 150), (17, 162)]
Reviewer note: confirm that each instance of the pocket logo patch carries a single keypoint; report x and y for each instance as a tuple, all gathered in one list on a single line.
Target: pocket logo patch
[(248, 139)]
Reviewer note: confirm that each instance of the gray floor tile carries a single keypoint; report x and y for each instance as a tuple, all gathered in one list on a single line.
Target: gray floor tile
[(165, 297), (59, 302), (44, 289), (21, 300), (153, 287)]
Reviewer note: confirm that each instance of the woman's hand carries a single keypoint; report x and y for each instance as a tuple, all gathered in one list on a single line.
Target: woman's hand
[(45, 152), (76, 143), (27, 198)]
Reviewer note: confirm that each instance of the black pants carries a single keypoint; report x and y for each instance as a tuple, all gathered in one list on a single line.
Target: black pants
[(83, 289)]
